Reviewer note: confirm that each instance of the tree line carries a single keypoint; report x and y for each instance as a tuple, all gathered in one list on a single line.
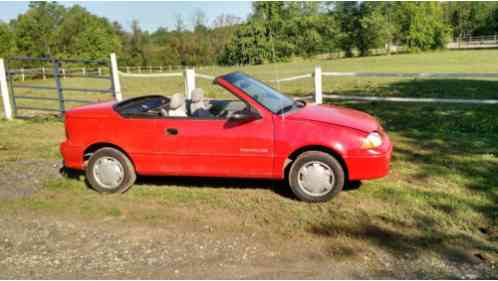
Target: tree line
[(274, 31)]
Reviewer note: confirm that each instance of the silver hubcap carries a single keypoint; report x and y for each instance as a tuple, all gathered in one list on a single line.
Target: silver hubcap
[(316, 178), (108, 172)]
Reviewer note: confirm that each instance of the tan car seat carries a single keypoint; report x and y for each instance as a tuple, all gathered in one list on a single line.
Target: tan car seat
[(177, 106)]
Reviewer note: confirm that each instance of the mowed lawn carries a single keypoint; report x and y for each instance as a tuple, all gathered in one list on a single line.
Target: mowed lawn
[(440, 199)]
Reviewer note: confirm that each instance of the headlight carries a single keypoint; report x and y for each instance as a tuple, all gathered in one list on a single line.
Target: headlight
[(373, 140)]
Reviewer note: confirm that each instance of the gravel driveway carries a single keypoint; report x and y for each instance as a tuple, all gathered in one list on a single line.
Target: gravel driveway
[(24, 177)]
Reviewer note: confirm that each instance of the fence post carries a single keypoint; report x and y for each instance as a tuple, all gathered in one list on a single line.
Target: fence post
[(83, 71), (115, 78), (43, 73), (189, 75), (22, 74), (64, 73), (99, 71), (139, 69), (318, 84), (161, 68), (58, 85), (4, 91)]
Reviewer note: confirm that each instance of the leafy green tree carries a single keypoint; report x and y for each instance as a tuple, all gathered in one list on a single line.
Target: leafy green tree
[(347, 15), (374, 30), (470, 18), (137, 43), (7, 47), (423, 26), (249, 45), (277, 31), (34, 30), (86, 36)]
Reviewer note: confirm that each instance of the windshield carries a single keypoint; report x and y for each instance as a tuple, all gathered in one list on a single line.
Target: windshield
[(263, 94)]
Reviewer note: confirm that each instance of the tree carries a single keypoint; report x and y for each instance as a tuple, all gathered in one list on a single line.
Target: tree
[(225, 20), (199, 22), (423, 27), (347, 15), (34, 30), (470, 18), (363, 26), (137, 44), (180, 24), (374, 30), (86, 36), (7, 38), (277, 31)]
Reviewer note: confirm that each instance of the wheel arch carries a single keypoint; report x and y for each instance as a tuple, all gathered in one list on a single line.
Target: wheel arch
[(293, 156), (96, 146)]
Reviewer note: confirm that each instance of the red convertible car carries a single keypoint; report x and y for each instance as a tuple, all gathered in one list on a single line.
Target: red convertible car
[(249, 130)]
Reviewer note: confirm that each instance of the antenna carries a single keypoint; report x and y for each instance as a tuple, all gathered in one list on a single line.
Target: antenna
[(275, 71)]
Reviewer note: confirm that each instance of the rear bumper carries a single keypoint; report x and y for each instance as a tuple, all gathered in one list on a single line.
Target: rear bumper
[(375, 164), (72, 155)]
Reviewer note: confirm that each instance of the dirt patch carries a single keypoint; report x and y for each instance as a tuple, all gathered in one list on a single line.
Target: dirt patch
[(23, 178)]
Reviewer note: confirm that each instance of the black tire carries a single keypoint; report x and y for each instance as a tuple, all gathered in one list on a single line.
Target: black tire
[(129, 176), (322, 158)]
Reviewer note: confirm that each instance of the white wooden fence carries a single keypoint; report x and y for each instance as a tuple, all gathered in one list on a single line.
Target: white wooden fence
[(318, 93), (471, 42), (190, 75)]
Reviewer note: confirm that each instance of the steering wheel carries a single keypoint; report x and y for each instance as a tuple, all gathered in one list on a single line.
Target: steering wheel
[(224, 114)]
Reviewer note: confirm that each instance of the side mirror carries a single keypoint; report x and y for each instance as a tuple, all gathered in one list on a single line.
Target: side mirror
[(245, 116)]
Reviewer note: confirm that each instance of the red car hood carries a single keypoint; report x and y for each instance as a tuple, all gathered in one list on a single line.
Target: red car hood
[(97, 110), (337, 115)]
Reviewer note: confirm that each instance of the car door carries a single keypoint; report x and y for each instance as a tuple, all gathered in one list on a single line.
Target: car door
[(217, 146)]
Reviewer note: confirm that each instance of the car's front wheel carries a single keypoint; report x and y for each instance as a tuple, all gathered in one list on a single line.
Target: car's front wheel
[(316, 176), (110, 171)]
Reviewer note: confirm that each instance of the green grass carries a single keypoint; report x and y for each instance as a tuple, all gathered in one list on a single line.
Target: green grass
[(441, 196)]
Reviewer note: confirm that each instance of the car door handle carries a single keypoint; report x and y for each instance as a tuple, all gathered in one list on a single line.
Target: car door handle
[(171, 132)]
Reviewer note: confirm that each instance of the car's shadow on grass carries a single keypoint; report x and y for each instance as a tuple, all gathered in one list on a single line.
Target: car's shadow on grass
[(279, 187)]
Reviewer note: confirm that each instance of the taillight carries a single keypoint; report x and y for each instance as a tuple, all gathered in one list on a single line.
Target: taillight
[(65, 127)]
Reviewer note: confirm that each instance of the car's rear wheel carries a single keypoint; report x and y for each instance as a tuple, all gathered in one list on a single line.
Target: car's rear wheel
[(110, 171), (316, 176)]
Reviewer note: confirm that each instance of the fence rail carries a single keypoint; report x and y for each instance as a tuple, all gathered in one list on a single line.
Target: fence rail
[(150, 75), (412, 75), (189, 75), (318, 95), (486, 41)]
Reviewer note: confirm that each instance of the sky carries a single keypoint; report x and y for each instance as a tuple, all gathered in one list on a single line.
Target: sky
[(150, 15)]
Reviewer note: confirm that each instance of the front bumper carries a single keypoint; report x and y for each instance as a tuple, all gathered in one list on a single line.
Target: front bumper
[(72, 155), (374, 164)]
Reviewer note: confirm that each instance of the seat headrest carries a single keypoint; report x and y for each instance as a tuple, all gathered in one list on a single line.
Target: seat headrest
[(176, 101), (197, 95)]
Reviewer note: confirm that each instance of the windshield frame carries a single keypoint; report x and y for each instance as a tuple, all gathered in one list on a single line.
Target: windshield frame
[(276, 112)]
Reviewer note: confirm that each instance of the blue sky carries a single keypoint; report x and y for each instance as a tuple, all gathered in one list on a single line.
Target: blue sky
[(151, 15)]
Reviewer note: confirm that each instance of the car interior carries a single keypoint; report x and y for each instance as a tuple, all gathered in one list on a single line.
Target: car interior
[(178, 105)]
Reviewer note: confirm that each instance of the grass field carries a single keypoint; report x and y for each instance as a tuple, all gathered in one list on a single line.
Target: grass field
[(440, 200)]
